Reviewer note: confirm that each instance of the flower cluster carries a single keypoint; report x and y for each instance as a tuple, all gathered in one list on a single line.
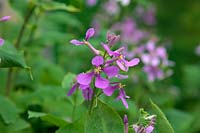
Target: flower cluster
[(2, 19), (155, 59), (145, 124), (105, 66)]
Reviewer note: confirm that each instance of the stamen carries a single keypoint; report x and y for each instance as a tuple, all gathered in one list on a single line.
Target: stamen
[(98, 70)]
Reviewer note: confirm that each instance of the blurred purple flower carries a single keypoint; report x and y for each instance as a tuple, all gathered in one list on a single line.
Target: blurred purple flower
[(154, 54), (120, 58), (1, 42), (197, 50), (91, 2), (112, 39), (153, 72), (112, 7), (100, 82), (5, 18)]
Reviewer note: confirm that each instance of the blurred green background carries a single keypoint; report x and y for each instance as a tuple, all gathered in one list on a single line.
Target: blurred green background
[(50, 55)]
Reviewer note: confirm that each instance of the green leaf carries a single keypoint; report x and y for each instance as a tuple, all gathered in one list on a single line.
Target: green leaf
[(77, 98), (183, 121), (48, 118), (104, 119), (76, 127), (15, 127), (52, 5), (10, 57), (8, 111), (68, 80), (162, 124)]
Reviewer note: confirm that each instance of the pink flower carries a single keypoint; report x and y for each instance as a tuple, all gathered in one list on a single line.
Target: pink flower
[(120, 58), (100, 82), (1, 42), (4, 18)]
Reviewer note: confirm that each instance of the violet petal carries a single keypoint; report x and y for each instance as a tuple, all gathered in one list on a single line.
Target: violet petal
[(97, 61), (133, 62), (149, 129), (109, 90), (90, 32), (85, 78), (122, 66), (87, 93), (76, 42), (111, 71), (71, 91), (101, 82)]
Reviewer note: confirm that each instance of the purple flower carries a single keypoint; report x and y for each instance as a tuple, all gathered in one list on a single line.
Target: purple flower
[(100, 82), (89, 33), (122, 96), (153, 72), (112, 7), (148, 128), (112, 39), (1, 42), (120, 58), (86, 90), (154, 54), (125, 124), (91, 2), (5, 18), (141, 129)]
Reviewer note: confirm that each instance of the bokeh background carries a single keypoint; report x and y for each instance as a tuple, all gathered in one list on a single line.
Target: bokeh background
[(50, 55)]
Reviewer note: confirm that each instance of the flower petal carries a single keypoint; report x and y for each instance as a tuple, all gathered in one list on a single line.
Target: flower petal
[(111, 71), (109, 90), (97, 61), (122, 96), (108, 50), (120, 76), (146, 58), (90, 32), (133, 62), (1, 42), (122, 65), (71, 91), (149, 129), (87, 93), (101, 82), (5, 18), (76, 42), (83, 87), (85, 78)]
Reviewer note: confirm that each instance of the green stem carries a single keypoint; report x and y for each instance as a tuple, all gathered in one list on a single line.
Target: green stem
[(17, 44), (92, 101)]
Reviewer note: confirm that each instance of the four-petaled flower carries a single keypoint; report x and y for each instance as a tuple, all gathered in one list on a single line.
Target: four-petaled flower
[(100, 82), (120, 58)]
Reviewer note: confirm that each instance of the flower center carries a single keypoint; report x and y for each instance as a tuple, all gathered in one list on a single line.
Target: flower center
[(97, 70), (120, 57), (121, 86)]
